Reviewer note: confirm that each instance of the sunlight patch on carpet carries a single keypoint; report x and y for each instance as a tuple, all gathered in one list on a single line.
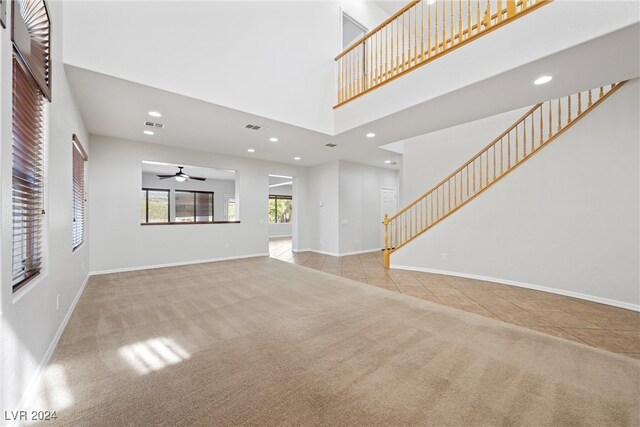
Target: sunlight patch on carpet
[(153, 354)]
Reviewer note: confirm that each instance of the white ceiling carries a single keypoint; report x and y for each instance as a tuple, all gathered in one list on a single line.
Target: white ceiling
[(118, 108), (157, 168)]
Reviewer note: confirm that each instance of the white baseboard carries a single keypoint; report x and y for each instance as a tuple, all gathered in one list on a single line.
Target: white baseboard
[(364, 251), (37, 376), (174, 264), (301, 250), (615, 303)]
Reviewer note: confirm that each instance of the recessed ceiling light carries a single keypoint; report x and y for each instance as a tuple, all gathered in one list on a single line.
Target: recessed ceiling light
[(387, 162), (251, 150), (371, 135), (154, 114), (273, 139), (542, 80), (148, 132), (297, 158)]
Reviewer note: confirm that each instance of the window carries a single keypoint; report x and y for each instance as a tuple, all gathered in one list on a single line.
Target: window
[(155, 206), (31, 84), (280, 209), (230, 210), (27, 208), (194, 206), (79, 158)]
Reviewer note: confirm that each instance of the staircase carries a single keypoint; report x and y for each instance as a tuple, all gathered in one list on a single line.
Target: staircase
[(539, 126)]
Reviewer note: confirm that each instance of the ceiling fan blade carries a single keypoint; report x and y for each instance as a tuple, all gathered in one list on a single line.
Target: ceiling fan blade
[(165, 176), (197, 179)]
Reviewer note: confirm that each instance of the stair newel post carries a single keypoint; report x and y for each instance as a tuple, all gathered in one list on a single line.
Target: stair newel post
[(386, 240)]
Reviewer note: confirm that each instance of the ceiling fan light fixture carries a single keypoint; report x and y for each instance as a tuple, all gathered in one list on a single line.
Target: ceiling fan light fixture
[(180, 178)]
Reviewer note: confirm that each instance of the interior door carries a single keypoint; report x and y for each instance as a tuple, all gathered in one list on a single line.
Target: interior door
[(388, 205)]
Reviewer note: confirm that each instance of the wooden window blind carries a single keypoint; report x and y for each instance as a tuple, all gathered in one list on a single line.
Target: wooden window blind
[(31, 36), (27, 175), (79, 158)]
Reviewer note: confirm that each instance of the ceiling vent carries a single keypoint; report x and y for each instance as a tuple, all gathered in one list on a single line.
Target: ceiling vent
[(253, 127), (154, 125), (330, 145)]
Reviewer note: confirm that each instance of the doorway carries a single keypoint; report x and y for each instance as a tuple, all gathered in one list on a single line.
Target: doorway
[(388, 206), (281, 217), (352, 30)]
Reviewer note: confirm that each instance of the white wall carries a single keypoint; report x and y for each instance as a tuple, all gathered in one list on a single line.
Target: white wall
[(323, 208), (280, 230), (349, 220), (219, 187), (565, 220), (29, 317), (360, 216), (120, 242), (277, 49)]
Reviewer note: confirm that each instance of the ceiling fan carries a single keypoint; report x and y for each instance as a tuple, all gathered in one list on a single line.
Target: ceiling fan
[(181, 176)]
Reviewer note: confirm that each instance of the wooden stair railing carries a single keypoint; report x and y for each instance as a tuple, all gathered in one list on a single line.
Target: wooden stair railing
[(542, 124), (418, 33)]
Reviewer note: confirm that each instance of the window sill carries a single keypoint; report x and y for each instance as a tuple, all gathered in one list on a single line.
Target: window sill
[(27, 285), (77, 248), (190, 223)]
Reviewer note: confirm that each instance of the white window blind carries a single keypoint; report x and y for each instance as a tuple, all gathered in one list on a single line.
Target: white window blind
[(79, 193)]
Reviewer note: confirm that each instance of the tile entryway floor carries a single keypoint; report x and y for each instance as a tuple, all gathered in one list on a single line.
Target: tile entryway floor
[(598, 325)]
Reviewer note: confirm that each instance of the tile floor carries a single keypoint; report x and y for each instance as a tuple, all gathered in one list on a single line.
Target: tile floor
[(602, 326)]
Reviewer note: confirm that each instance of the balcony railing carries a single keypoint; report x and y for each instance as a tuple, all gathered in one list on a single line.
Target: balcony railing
[(418, 33)]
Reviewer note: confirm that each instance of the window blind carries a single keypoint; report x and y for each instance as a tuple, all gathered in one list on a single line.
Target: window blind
[(30, 33), (27, 176), (79, 196), (204, 207), (194, 206)]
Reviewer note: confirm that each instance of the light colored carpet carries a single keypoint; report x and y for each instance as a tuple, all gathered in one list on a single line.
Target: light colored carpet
[(264, 342)]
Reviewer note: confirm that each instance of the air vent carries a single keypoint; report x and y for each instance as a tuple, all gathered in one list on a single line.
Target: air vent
[(253, 127), (330, 145), (154, 125)]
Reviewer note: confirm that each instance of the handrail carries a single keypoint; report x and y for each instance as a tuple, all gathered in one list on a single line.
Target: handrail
[(418, 33), (541, 124), (376, 29), (467, 163)]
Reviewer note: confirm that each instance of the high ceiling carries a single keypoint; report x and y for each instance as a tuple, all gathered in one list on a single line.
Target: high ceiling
[(115, 102)]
